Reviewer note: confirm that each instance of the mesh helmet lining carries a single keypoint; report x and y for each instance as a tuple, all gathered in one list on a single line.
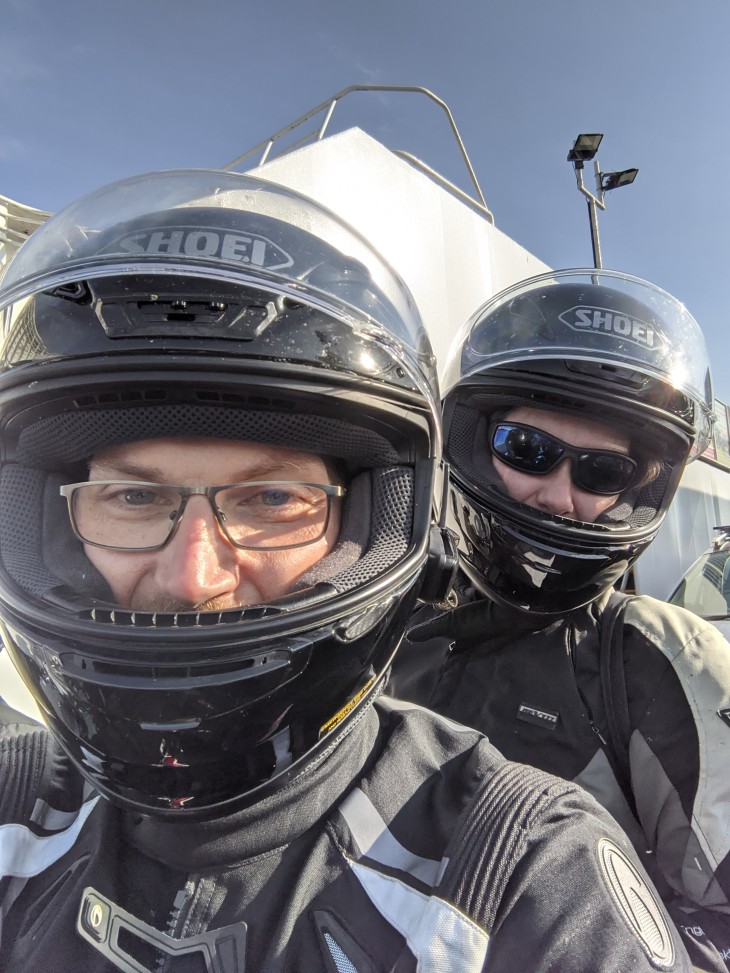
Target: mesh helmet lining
[(54, 441)]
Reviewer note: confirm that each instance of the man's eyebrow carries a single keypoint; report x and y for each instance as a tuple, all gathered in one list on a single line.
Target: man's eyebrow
[(265, 470), (110, 469)]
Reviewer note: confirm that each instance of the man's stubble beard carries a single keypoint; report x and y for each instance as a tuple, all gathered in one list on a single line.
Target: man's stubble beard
[(163, 603)]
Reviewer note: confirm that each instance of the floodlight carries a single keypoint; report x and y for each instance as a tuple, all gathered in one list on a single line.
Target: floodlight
[(614, 180), (585, 147)]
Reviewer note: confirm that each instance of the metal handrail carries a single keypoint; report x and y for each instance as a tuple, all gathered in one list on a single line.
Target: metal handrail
[(265, 147), (446, 183)]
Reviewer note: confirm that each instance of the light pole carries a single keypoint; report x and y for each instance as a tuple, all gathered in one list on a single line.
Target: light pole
[(584, 150)]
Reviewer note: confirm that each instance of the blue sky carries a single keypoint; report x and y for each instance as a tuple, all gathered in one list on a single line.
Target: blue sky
[(91, 91)]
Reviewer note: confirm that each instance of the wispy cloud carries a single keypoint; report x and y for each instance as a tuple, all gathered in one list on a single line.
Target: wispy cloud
[(347, 56), (19, 66), (11, 148)]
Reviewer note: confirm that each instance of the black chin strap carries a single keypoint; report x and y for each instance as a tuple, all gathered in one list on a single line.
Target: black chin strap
[(443, 557), (441, 568)]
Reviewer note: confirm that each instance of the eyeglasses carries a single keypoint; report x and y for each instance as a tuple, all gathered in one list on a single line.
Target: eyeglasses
[(530, 450), (132, 515)]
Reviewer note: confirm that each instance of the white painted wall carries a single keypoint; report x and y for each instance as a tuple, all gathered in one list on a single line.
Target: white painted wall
[(450, 256)]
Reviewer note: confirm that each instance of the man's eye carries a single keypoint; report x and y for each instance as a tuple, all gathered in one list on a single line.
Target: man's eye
[(139, 498), (274, 498)]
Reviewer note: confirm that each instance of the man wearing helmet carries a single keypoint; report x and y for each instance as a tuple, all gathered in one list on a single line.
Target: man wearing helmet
[(573, 402), (220, 434)]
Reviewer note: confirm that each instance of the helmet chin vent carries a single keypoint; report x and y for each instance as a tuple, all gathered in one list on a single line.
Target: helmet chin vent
[(545, 517), (165, 675), (189, 619)]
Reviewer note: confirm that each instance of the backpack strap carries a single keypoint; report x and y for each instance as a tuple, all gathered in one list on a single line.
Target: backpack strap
[(615, 697)]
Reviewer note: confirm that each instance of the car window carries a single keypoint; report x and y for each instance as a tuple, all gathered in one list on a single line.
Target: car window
[(705, 589)]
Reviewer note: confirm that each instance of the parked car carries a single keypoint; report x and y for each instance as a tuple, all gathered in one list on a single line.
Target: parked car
[(705, 588)]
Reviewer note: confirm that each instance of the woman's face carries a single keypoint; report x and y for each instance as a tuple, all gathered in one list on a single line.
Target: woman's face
[(555, 492)]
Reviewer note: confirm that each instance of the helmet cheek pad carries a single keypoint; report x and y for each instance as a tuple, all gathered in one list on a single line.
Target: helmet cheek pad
[(30, 505)]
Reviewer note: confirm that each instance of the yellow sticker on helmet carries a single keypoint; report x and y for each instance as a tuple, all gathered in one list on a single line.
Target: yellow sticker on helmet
[(347, 708)]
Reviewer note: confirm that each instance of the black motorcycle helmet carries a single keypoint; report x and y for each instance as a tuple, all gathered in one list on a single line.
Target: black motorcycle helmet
[(208, 304), (595, 344)]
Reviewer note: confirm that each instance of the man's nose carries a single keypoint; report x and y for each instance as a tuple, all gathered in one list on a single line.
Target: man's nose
[(555, 492), (198, 562)]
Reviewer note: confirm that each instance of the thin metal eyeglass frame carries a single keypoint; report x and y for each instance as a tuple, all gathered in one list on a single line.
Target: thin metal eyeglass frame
[(568, 452), (329, 489)]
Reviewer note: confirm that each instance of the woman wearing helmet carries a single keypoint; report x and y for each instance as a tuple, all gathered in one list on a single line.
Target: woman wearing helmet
[(220, 431), (573, 402)]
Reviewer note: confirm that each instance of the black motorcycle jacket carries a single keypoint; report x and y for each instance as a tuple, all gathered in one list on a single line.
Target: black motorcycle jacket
[(412, 844)]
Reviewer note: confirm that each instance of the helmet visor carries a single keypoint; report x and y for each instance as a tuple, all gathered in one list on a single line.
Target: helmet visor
[(229, 228)]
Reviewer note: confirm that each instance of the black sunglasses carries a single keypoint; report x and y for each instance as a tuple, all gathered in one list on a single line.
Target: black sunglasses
[(531, 450)]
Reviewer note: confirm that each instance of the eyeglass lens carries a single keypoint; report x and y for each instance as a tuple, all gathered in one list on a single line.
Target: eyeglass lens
[(531, 450), (139, 516)]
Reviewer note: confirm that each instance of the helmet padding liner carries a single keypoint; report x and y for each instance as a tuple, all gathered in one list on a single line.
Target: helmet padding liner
[(52, 442)]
